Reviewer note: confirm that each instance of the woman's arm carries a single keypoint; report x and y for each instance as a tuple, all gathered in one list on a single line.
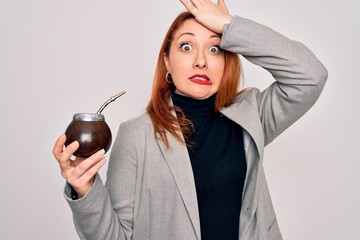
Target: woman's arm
[(107, 212), (300, 77)]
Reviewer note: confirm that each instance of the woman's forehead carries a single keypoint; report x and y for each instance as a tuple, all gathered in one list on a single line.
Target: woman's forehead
[(193, 28)]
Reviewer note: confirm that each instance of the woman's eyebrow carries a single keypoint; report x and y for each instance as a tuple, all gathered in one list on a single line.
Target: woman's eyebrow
[(193, 35), (186, 33), (215, 36)]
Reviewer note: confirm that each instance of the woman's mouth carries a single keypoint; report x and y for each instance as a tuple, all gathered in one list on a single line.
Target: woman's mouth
[(200, 79)]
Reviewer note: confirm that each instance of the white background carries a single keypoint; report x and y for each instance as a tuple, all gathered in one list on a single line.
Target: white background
[(59, 57)]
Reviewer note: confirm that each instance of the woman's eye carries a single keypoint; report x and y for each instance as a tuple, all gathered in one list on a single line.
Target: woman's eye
[(215, 49), (186, 47)]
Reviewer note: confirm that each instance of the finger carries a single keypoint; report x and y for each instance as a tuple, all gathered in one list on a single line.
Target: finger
[(78, 160), (222, 5), (68, 152), (83, 184), (195, 3), (91, 172), (58, 147), (188, 5), (81, 166), (85, 165)]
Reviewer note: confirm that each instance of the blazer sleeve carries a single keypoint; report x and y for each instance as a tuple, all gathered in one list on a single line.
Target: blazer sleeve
[(106, 211), (300, 76)]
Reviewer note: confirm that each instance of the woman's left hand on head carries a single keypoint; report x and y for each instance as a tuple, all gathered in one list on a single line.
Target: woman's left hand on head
[(211, 15)]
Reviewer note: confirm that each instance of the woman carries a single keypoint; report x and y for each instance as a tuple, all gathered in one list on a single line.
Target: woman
[(191, 167)]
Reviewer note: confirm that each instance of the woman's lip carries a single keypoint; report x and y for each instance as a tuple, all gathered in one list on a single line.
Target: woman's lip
[(201, 82), (200, 77)]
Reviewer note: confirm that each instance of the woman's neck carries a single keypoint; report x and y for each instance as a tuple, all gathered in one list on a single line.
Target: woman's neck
[(194, 108)]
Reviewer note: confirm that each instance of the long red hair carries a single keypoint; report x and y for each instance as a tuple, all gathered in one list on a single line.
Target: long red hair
[(159, 108)]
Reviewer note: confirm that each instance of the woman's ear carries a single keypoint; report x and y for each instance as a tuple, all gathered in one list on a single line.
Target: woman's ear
[(167, 62)]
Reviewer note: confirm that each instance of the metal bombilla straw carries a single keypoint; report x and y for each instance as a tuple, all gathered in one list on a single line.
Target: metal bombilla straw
[(113, 98)]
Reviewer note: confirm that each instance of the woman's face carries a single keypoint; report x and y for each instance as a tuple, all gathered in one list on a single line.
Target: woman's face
[(196, 62)]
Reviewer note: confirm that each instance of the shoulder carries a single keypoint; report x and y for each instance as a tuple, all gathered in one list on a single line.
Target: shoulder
[(246, 98), (134, 132), (143, 119), (137, 126), (245, 105), (141, 122), (248, 95)]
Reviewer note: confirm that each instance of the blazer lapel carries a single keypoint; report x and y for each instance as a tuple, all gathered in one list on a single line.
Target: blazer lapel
[(178, 160)]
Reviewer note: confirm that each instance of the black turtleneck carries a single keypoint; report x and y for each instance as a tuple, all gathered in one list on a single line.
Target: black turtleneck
[(219, 167)]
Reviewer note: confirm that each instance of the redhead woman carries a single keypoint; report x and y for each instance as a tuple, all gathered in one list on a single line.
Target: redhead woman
[(191, 167)]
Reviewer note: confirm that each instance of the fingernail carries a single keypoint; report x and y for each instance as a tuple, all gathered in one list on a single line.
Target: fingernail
[(101, 152)]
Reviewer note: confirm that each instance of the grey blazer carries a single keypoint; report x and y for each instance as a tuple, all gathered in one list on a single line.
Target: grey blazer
[(150, 190)]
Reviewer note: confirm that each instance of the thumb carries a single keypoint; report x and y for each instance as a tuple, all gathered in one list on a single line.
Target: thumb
[(222, 5)]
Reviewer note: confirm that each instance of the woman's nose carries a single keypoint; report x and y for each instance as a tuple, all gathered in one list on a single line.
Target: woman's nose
[(200, 61)]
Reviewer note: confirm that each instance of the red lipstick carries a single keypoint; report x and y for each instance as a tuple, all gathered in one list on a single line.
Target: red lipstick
[(201, 79)]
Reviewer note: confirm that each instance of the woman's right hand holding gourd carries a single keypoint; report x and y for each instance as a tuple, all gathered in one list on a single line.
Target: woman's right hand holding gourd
[(80, 172)]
